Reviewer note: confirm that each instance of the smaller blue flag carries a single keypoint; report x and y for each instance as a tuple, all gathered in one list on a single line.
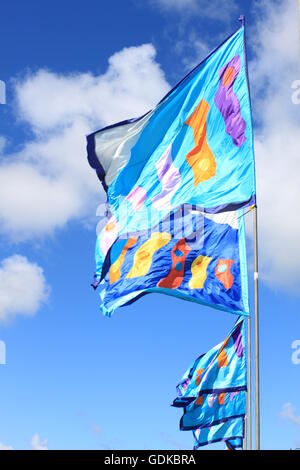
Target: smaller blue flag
[(231, 432), (190, 254)]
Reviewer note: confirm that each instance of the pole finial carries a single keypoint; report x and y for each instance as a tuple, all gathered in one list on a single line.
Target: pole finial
[(242, 19)]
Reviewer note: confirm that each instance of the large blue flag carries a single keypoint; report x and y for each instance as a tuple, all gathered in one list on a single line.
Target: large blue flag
[(190, 254), (195, 147)]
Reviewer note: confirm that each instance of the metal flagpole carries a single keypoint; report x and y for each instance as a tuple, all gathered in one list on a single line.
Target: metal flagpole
[(249, 394), (257, 407), (245, 440), (246, 425)]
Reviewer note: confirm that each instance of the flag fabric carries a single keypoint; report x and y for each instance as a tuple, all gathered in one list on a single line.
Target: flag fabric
[(221, 370), (231, 432), (190, 254), (212, 392), (213, 408), (194, 147)]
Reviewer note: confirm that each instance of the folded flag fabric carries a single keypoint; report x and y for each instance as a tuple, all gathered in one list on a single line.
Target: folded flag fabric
[(194, 147), (190, 254), (213, 392), (231, 432)]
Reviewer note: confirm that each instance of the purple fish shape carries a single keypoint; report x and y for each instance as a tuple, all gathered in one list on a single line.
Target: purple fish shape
[(228, 103)]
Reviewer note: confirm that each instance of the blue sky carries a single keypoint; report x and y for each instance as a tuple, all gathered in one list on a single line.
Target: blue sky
[(73, 378)]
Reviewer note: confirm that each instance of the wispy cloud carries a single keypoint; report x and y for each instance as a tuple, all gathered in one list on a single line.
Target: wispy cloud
[(5, 447), (38, 444), (211, 9), (288, 413)]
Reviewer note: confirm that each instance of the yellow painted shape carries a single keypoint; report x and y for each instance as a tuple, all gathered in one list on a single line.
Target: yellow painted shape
[(200, 158), (199, 272), (143, 257), (115, 269)]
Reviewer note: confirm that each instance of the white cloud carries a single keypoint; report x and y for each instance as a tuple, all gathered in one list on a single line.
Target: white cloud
[(5, 447), (39, 444), (204, 8), (288, 413), (23, 288), (275, 67), (48, 183)]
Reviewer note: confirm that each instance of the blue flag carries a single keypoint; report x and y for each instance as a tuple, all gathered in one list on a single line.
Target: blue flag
[(190, 255), (194, 147), (221, 370)]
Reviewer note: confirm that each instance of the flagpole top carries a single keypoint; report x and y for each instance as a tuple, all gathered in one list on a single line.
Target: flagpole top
[(242, 19)]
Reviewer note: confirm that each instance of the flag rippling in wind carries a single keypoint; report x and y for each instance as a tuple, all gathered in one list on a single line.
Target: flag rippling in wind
[(191, 255), (213, 392), (195, 147)]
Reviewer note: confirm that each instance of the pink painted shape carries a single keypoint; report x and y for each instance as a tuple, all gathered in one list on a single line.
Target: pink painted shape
[(137, 197), (211, 400), (170, 179), (109, 234)]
